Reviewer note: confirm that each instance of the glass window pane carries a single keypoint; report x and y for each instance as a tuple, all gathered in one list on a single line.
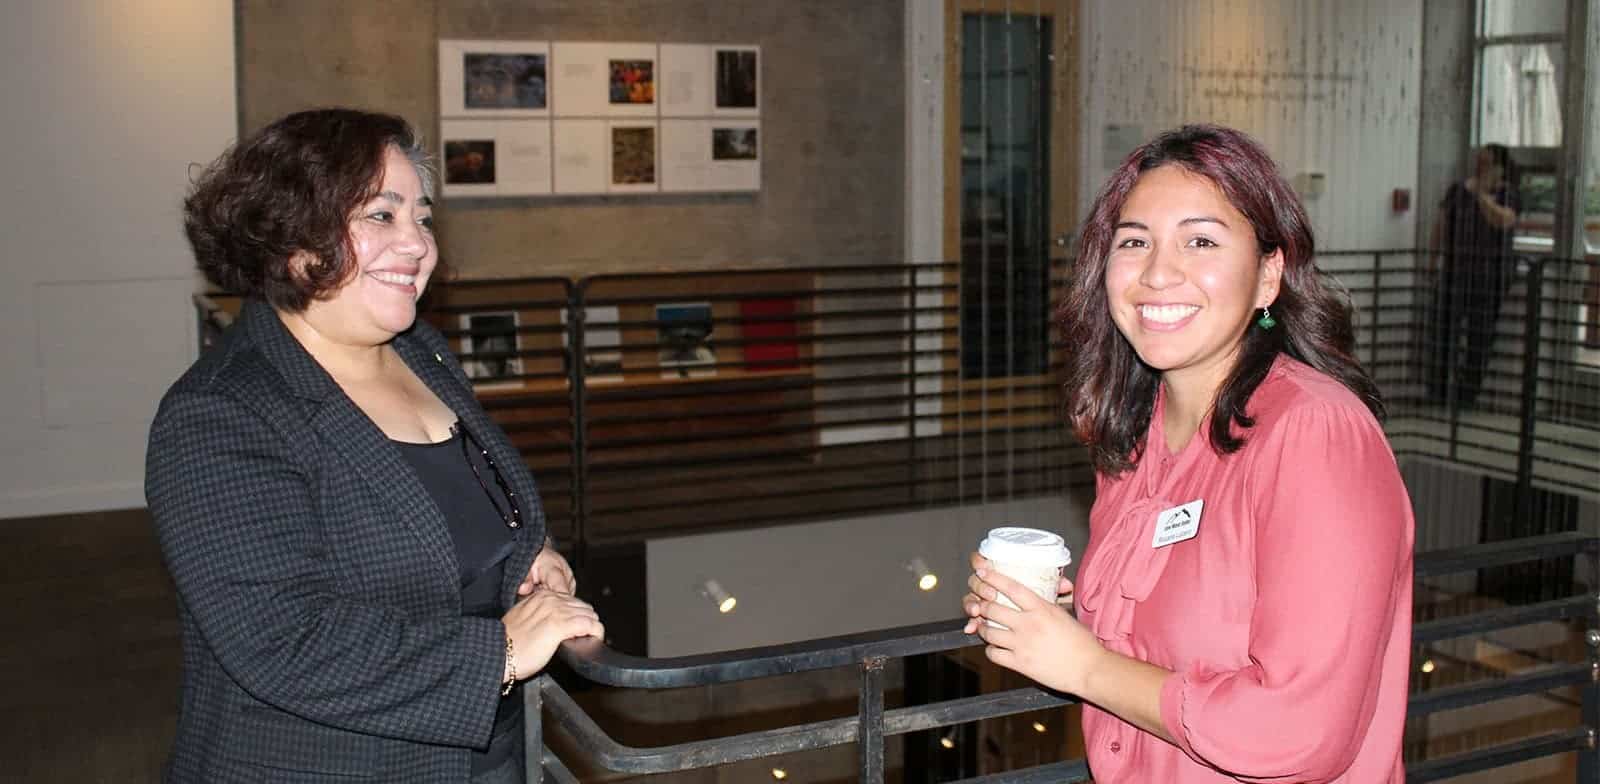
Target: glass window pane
[(1521, 17), (1520, 103), (1005, 154)]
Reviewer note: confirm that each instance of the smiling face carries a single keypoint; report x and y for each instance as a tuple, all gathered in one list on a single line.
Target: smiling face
[(391, 236), (1184, 277)]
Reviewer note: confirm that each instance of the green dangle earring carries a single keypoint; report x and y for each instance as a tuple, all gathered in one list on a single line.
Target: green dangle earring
[(1266, 321)]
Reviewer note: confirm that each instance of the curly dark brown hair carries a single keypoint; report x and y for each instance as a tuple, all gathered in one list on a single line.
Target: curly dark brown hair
[(292, 187), (1110, 393)]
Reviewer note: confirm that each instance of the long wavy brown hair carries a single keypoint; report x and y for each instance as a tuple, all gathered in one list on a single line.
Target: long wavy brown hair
[(1110, 393)]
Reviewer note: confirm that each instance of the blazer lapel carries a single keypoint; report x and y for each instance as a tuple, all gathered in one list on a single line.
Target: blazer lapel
[(455, 390), (363, 446)]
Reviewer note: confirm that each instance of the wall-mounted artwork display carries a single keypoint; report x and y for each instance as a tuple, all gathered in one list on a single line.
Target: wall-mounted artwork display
[(604, 79), (736, 75), (685, 334), (711, 81), (495, 157), (710, 155), (533, 118), (489, 348), (494, 78), (633, 157)]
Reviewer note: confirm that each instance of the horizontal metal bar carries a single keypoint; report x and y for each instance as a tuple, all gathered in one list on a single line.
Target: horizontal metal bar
[(1581, 606), (1490, 757), (966, 709), (1480, 692), (591, 658), (1478, 556), (1053, 773), (615, 756)]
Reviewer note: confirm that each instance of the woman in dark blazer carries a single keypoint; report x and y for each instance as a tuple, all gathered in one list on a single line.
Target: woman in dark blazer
[(360, 555)]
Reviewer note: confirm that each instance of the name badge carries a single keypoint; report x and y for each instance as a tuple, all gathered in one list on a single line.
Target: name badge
[(1177, 524)]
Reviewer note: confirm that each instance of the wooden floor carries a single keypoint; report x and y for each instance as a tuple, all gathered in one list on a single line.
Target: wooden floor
[(90, 651)]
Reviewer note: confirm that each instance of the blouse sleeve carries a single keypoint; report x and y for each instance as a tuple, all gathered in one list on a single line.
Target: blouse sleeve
[(1332, 557), (243, 540)]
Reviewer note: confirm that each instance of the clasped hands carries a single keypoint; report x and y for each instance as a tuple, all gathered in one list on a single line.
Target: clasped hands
[(547, 613), (1041, 639)]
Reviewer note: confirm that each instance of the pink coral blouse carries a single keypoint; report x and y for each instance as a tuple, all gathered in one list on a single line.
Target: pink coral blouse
[(1286, 618)]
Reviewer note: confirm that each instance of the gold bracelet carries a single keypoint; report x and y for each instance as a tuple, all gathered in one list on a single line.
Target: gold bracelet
[(511, 670)]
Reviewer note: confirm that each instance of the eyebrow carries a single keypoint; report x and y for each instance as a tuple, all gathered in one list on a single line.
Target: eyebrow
[(1185, 222), (425, 201)]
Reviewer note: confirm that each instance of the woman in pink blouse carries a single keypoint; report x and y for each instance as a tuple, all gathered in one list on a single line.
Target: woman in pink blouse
[(1244, 603)]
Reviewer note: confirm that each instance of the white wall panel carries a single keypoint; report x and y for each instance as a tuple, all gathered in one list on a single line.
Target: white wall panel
[(106, 105)]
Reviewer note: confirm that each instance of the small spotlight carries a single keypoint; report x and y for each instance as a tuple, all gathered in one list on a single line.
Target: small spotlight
[(780, 774), (1038, 726), (713, 590), (926, 579), (947, 741), (1427, 666)]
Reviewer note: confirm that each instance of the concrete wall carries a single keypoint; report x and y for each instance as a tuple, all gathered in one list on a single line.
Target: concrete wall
[(1329, 86), (106, 105), (832, 124)]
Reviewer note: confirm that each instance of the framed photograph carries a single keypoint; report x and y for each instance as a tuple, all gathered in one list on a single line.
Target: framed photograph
[(633, 157), (489, 347), (710, 156), (508, 157), (736, 72), (685, 340), (600, 79), (633, 82), (733, 144), (469, 162), (494, 78), (504, 81)]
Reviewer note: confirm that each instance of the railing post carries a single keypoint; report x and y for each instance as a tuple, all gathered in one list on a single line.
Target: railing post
[(533, 729), (577, 395), (1530, 390), (869, 729)]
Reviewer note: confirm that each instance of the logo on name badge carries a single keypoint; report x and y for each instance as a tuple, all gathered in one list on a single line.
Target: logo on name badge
[(1177, 524)]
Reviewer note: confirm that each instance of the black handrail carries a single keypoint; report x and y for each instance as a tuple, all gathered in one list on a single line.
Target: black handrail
[(869, 651)]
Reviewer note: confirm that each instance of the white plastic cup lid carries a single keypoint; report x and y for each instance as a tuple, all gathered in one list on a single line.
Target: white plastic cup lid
[(1032, 546)]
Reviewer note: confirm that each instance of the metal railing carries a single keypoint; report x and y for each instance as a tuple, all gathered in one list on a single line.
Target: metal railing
[(870, 652), (840, 391)]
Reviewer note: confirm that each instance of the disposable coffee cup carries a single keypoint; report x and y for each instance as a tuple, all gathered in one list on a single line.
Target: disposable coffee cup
[(1030, 556)]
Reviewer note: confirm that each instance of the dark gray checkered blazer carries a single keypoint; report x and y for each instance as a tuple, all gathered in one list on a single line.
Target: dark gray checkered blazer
[(317, 582)]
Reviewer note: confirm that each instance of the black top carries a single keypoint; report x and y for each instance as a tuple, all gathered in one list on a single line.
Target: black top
[(481, 538), (482, 542), (1480, 251)]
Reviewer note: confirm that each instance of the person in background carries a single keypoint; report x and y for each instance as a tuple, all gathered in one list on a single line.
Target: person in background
[(1244, 601), (1472, 257), (359, 552)]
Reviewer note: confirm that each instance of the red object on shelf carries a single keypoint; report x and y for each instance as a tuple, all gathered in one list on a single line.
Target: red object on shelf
[(769, 322)]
